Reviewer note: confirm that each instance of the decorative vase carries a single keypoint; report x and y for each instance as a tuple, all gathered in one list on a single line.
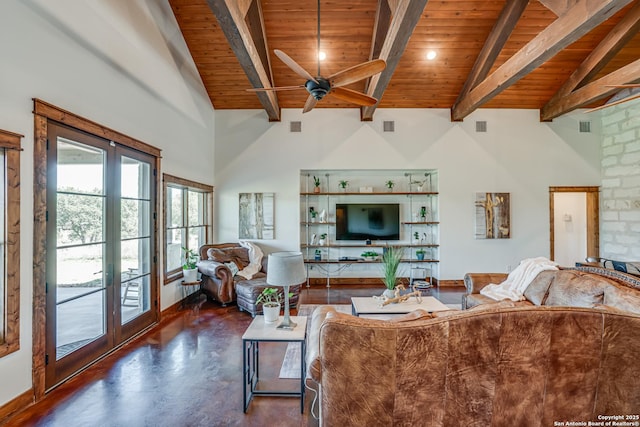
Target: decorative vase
[(321, 242), (190, 275), (323, 215), (389, 293), (271, 312)]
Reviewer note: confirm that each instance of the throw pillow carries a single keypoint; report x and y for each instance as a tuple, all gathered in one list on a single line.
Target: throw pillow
[(233, 267)]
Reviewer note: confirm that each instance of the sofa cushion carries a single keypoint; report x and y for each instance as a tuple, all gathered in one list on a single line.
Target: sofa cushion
[(622, 298), (238, 255), (477, 299), (537, 290), (576, 289)]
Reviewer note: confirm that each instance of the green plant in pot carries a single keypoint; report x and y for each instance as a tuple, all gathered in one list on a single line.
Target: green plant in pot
[(316, 183), (343, 184), (369, 255), (391, 258), (190, 268), (271, 300), (390, 185), (420, 254)]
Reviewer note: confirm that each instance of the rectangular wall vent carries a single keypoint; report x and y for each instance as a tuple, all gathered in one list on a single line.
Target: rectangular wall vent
[(481, 126), (389, 126), (295, 126), (585, 127)]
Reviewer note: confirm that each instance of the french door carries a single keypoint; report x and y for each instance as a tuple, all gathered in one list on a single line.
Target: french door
[(100, 244)]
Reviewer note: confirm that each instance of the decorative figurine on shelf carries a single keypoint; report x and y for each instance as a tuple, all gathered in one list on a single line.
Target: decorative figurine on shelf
[(420, 185), (316, 183), (343, 184), (313, 239), (323, 215), (390, 185)]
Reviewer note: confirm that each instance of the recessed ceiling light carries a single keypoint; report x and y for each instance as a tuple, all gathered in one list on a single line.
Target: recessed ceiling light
[(431, 55), (322, 56)]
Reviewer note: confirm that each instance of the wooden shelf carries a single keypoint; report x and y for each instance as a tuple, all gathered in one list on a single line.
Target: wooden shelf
[(420, 223), (426, 245), (385, 193), (337, 261), (317, 223)]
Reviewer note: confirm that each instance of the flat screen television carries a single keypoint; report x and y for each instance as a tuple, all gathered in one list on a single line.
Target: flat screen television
[(362, 221)]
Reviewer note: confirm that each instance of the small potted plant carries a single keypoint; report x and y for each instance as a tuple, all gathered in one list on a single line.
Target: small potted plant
[(316, 183), (314, 215), (323, 238), (343, 184), (391, 259), (420, 254), (318, 255), (416, 236), (271, 300), (369, 255), (189, 268), (390, 185)]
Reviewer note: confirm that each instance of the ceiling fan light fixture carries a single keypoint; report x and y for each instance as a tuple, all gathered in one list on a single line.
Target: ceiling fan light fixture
[(431, 55), (322, 56), (318, 89)]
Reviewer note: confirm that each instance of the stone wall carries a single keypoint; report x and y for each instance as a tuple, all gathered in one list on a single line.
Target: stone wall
[(620, 198)]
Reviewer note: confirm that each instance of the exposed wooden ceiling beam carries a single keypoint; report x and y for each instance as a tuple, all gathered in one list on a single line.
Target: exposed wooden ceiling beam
[(495, 42), (559, 7), (581, 18), (595, 90), (404, 18), (626, 29), (249, 44)]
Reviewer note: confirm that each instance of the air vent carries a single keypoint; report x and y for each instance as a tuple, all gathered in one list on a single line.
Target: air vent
[(481, 126), (585, 127), (295, 126), (389, 126)]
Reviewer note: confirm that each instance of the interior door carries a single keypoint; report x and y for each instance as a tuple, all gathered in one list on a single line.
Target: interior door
[(99, 249)]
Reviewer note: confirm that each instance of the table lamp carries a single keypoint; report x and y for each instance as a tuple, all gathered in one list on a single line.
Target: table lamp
[(285, 269)]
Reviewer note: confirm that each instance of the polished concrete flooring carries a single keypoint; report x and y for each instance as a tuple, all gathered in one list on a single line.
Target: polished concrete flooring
[(187, 372)]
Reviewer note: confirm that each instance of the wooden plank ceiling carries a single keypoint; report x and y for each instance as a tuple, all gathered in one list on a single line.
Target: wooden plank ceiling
[(551, 55)]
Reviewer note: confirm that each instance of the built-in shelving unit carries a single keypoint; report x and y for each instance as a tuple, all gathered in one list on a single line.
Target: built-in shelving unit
[(415, 191)]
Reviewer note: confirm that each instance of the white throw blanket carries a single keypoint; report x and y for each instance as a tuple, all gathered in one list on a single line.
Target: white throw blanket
[(255, 260), (518, 280)]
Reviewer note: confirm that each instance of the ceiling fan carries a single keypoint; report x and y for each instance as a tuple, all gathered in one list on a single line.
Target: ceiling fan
[(319, 86), (627, 93)]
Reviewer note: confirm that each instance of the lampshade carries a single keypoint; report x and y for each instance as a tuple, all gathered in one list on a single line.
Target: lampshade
[(285, 269)]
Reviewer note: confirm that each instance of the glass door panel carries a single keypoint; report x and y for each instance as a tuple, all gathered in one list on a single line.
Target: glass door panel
[(135, 238), (80, 212)]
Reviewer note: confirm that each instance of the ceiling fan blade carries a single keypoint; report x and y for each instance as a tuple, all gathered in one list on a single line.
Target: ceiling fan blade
[(611, 104), (279, 88), (353, 96), (630, 85), (308, 106), (294, 65), (357, 72)]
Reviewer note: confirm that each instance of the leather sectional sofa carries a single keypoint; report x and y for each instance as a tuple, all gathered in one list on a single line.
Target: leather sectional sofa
[(568, 354)]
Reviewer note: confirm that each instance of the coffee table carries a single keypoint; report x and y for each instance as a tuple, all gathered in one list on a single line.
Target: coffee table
[(369, 306), (257, 332)]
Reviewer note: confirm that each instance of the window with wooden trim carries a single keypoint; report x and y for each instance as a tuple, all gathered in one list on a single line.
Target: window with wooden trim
[(188, 221), (9, 242)]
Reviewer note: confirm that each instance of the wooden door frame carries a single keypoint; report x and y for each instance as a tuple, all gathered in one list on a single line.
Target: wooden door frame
[(593, 217), (43, 112)]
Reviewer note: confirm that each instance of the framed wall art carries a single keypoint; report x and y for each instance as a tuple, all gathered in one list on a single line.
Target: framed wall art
[(256, 216), (493, 216)]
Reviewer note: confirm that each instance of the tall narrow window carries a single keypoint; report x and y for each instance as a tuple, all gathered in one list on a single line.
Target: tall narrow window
[(9, 242), (188, 221)]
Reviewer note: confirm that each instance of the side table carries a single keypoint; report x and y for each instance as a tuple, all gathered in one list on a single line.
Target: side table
[(193, 298), (257, 332)]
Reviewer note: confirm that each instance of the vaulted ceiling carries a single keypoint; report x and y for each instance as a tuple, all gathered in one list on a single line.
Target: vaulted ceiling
[(551, 55)]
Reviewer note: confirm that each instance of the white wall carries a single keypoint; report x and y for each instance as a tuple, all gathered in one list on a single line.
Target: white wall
[(120, 63), (518, 154)]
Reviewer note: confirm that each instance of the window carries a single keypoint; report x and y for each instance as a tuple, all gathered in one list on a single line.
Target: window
[(9, 242), (188, 219)]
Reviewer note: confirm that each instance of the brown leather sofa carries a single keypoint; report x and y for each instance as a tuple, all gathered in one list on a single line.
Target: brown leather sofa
[(220, 284), (494, 365), (576, 287)]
